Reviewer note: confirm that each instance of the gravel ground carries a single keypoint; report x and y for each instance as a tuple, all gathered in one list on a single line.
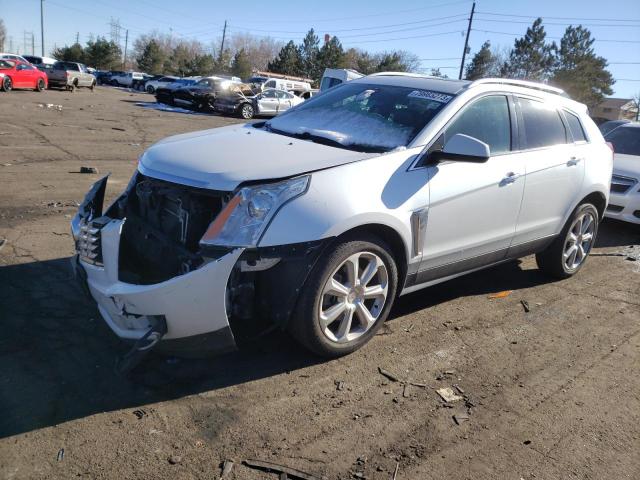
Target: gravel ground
[(553, 393)]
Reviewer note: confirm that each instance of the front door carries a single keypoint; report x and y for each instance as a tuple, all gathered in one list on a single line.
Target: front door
[(473, 207)]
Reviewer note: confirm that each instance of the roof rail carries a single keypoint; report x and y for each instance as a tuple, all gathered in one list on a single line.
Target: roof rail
[(519, 83)]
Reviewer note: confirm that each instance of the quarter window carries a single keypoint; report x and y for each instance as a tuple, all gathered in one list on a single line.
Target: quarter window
[(543, 126), (486, 119), (575, 127)]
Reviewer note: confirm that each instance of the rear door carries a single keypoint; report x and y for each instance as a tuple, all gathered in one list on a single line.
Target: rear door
[(555, 170), (268, 102)]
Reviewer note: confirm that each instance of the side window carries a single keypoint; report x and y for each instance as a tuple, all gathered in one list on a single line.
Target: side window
[(543, 126), (486, 119), (575, 127), (269, 94), (270, 84)]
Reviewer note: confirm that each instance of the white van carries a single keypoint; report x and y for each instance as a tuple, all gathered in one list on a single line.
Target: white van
[(294, 86), (335, 76)]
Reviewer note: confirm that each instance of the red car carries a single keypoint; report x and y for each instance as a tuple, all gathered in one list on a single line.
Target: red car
[(14, 74)]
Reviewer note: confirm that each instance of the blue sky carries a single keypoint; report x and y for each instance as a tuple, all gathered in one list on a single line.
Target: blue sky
[(432, 29)]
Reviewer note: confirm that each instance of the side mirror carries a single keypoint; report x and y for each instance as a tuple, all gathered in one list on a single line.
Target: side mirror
[(462, 148)]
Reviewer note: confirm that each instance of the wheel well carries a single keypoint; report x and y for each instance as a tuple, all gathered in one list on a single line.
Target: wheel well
[(598, 200), (393, 239)]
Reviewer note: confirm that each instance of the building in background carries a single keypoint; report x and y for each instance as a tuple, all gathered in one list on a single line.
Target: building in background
[(615, 109)]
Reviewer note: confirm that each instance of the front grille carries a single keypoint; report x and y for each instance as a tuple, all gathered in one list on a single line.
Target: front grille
[(620, 184), (89, 242), (614, 208)]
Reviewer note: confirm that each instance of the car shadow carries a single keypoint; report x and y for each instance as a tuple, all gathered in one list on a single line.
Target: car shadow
[(615, 233), (58, 357)]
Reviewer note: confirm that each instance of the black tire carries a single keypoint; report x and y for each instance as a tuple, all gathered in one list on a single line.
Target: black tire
[(305, 323), (246, 111), (72, 87), (551, 260), (7, 84), (150, 89), (93, 86), (40, 86)]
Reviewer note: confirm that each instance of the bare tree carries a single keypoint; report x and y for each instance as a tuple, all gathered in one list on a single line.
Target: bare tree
[(3, 35)]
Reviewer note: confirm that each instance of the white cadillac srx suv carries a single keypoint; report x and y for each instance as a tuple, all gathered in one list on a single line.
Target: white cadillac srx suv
[(316, 220)]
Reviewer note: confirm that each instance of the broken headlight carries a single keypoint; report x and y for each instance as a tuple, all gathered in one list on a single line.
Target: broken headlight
[(246, 216)]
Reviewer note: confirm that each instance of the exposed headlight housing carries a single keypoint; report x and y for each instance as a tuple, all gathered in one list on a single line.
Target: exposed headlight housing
[(245, 218)]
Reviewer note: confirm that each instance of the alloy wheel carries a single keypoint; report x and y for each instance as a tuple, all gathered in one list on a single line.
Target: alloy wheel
[(247, 111), (353, 297), (579, 241)]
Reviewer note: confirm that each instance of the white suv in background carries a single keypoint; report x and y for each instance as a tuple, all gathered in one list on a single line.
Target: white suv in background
[(625, 184), (317, 219)]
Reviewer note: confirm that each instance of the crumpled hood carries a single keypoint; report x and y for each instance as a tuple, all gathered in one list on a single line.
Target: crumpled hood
[(626, 165), (222, 158)]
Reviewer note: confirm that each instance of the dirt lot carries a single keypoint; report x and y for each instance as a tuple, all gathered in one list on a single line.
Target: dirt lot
[(550, 394)]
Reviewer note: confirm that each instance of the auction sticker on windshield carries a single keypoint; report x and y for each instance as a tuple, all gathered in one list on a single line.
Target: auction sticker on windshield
[(430, 95)]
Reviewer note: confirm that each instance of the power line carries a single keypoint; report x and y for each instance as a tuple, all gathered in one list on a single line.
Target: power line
[(560, 24), (553, 38), (562, 18), (408, 38)]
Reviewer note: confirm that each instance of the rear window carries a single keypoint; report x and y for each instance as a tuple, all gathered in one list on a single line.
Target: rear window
[(575, 127), (626, 140), (543, 126)]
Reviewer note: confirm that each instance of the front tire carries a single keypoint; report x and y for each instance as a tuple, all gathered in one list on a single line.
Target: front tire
[(150, 89), (568, 252), (347, 297), (40, 86), (246, 111)]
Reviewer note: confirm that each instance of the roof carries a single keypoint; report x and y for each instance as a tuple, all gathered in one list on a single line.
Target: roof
[(412, 80), (613, 102)]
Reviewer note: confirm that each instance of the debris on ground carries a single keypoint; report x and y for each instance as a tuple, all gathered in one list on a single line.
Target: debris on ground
[(3, 242), (339, 385), (388, 374), (140, 414), (60, 455), (448, 395), (445, 374), (525, 305), (457, 387), (119, 129), (174, 459), (88, 170), (460, 417), (502, 294), (50, 106), (395, 472), (227, 466), (284, 471)]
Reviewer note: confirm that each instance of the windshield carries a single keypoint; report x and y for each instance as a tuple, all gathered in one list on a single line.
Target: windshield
[(372, 117), (626, 140)]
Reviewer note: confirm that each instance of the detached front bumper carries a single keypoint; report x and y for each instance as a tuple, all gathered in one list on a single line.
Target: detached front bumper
[(192, 305)]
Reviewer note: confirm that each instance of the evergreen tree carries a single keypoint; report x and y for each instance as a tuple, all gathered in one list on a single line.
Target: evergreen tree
[(241, 66), (331, 55), (531, 58), (74, 53), (435, 72), (102, 54), (483, 64), (152, 58), (288, 60), (578, 70), (309, 50)]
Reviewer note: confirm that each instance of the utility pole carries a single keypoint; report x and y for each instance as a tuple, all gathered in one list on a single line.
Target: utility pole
[(77, 37), (224, 34), (466, 40), (33, 44), (126, 42), (42, 25)]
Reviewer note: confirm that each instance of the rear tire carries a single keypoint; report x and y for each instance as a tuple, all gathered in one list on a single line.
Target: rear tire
[(150, 89), (569, 251), (7, 84), (346, 298)]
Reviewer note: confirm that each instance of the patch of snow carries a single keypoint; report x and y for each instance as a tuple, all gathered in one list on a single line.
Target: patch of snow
[(344, 126), (167, 108)]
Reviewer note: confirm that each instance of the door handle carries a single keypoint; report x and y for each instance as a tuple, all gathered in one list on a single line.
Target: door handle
[(510, 178), (573, 161)]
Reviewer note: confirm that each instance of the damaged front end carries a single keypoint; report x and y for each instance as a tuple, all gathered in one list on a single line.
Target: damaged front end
[(178, 268)]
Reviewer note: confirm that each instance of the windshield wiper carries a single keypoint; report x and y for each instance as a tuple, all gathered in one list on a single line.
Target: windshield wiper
[(327, 141)]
